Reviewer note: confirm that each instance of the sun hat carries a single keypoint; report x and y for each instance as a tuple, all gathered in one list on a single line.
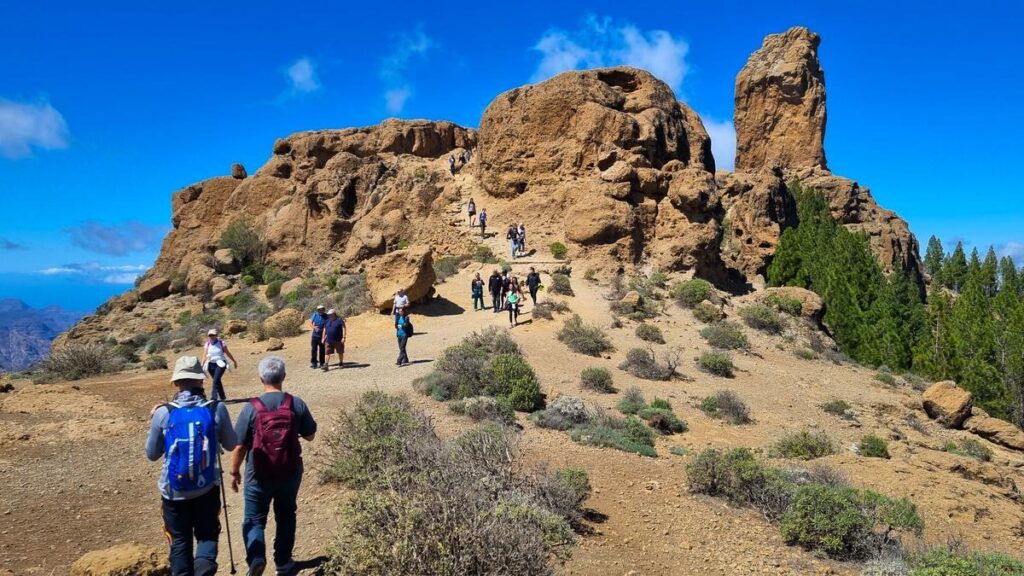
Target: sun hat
[(320, 307), (211, 332), (331, 311), (187, 368)]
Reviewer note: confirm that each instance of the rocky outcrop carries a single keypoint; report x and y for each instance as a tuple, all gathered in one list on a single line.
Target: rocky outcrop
[(123, 560), (994, 430), (757, 208), (154, 287), (811, 304), (225, 262), (948, 405), (411, 269), (238, 172), (780, 104)]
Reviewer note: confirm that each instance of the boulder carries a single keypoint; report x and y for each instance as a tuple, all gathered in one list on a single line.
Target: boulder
[(780, 104), (290, 286), (286, 322), (275, 344), (758, 207), (219, 284), (123, 560), (224, 262), (946, 404), (238, 171), (125, 302), (632, 299), (411, 269), (223, 295), (154, 288), (602, 220), (198, 279), (236, 326), (995, 430), (811, 304)]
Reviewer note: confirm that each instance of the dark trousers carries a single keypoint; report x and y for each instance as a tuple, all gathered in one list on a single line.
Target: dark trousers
[(495, 301), (403, 358), (217, 372), (316, 352), (513, 313), (259, 495), (478, 301), (483, 230), (533, 295), (197, 518)]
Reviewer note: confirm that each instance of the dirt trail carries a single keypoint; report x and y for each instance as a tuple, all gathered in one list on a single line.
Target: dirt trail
[(75, 479)]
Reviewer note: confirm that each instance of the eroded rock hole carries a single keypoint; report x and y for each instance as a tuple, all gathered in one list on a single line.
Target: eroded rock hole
[(619, 79)]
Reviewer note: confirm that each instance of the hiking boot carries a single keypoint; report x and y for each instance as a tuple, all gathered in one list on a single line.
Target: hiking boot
[(286, 569), (312, 365), (257, 567), (323, 367)]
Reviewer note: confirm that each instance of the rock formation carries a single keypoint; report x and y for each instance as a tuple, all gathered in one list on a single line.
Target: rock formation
[(780, 104)]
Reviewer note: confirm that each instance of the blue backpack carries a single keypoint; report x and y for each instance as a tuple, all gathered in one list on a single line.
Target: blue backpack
[(190, 442)]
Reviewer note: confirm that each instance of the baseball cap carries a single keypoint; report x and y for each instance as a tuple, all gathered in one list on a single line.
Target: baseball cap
[(187, 368), (320, 307), (212, 332)]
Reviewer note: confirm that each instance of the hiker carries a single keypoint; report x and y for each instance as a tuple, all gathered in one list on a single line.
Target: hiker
[(403, 328), (468, 153), (268, 429), (401, 301), (335, 332), (188, 433), (215, 358), (494, 287), (521, 237), (483, 222), (471, 209), (316, 343), (513, 299), (451, 164), (512, 235), (533, 283), (477, 289)]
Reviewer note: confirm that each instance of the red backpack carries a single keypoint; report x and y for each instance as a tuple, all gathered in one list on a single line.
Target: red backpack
[(276, 452)]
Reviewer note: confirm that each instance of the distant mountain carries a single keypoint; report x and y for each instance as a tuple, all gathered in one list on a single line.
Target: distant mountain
[(26, 332)]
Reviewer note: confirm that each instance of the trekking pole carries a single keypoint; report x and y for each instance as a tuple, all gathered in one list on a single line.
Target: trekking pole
[(224, 499)]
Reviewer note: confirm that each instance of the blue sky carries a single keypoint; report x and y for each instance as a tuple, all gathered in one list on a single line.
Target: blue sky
[(108, 107)]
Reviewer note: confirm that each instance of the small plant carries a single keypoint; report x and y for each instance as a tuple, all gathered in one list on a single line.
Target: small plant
[(484, 408), (763, 318), (728, 406), (505, 266), (248, 280), (449, 266), (955, 561), (155, 363), (692, 292), (558, 250), (590, 275), (641, 363), (659, 416), (969, 448), (597, 379), (564, 413), (245, 240), (403, 244), (717, 363), (511, 378), (678, 451), (483, 254), (783, 303), (613, 434), (584, 338), (803, 445), (560, 284), (872, 446), (547, 309), (737, 476), (649, 333), (274, 289), (726, 336), (707, 312), (632, 401), (885, 378), (805, 354), (837, 408)]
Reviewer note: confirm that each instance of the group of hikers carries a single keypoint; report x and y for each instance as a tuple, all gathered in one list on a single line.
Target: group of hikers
[(516, 236), (471, 210), (328, 333), (463, 160), (506, 292), (189, 433)]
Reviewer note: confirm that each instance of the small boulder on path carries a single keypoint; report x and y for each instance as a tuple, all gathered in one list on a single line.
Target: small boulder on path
[(947, 404), (123, 560), (411, 269), (275, 344)]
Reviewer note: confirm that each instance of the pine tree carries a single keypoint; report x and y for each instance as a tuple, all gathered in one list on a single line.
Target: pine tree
[(933, 259), (954, 271), (1009, 278), (990, 273)]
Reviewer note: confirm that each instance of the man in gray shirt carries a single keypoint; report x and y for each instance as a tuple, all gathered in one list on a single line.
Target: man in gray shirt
[(187, 433)]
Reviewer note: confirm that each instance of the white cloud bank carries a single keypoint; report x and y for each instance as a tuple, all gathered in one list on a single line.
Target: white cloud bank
[(24, 127), (96, 272)]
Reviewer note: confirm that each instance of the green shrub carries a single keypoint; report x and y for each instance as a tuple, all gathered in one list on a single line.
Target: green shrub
[(783, 303), (803, 445), (248, 280), (725, 335), (717, 363), (274, 289), (737, 476), (636, 431), (558, 250), (560, 284), (597, 379), (970, 448), (547, 309), (576, 480), (183, 317), (873, 446), (351, 296), (763, 318), (446, 266), (511, 377), (649, 333), (584, 338), (484, 408), (156, 363), (836, 407), (805, 354), (126, 353), (630, 435), (690, 293), (641, 363), (707, 312), (505, 266), (403, 244), (954, 562), (663, 419), (886, 378), (632, 401), (462, 370), (483, 254), (245, 240), (727, 405), (77, 360)]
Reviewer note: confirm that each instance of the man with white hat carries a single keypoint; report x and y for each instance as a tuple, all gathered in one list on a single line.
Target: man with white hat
[(188, 433), (334, 338), (215, 358), (316, 343)]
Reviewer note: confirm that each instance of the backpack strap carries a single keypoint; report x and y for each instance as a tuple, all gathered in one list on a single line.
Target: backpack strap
[(257, 405), (286, 402)]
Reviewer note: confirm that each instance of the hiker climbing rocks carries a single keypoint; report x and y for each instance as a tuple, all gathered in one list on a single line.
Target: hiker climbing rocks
[(471, 210), (483, 222), (403, 329), (476, 288), (533, 283), (188, 433), (316, 343), (494, 287), (268, 430), (215, 359), (335, 332), (451, 164)]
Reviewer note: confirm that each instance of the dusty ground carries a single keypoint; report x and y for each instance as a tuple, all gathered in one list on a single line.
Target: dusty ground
[(74, 477)]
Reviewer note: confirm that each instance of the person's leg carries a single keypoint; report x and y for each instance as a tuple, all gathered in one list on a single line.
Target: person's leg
[(285, 504), (341, 355), (327, 357), (314, 347), (178, 529), (322, 350), (533, 295), (257, 504), (403, 356), (216, 372), (510, 315), (206, 512)]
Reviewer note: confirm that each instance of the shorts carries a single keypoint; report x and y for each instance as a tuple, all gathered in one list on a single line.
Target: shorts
[(338, 347)]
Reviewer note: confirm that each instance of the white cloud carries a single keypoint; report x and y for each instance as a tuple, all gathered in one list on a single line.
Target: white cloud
[(723, 142), (393, 67), (603, 42), (1012, 249), (125, 278), (93, 269), (302, 76), (27, 126)]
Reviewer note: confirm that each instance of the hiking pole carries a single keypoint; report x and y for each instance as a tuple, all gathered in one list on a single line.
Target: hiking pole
[(224, 499)]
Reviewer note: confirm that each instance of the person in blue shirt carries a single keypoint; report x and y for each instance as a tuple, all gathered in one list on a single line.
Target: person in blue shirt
[(334, 338), (402, 323), (316, 343)]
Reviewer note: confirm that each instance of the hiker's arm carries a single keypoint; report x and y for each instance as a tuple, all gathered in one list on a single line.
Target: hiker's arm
[(155, 438), (236, 466), (225, 431), (230, 356)]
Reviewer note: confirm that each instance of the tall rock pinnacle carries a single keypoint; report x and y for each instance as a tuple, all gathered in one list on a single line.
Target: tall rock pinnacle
[(780, 104)]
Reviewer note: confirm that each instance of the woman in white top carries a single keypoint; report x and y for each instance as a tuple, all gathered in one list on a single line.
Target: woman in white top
[(215, 358)]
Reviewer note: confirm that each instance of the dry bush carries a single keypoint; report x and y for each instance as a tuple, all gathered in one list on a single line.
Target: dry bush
[(76, 360), (547, 309), (763, 318), (649, 333), (717, 363), (803, 445), (726, 336), (584, 338), (597, 379), (642, 363), (727, 405)]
